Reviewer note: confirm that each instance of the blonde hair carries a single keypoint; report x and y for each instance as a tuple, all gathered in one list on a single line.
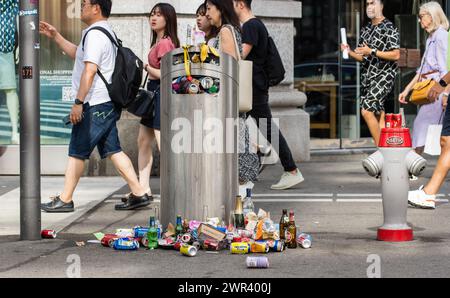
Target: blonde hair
[(436, 12)]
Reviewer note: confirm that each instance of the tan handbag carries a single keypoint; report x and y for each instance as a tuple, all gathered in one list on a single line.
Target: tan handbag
[(245, 94), (421, 89), (420, 92)]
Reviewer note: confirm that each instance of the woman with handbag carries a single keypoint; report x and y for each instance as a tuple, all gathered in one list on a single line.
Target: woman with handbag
[(222, 15), (433, 68), (163, 22)]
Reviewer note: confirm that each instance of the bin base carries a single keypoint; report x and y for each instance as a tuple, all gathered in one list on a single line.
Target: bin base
[(395, 235)]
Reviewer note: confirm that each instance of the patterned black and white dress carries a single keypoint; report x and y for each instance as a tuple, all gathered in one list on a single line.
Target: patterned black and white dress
[(378, 75), (248, 159)]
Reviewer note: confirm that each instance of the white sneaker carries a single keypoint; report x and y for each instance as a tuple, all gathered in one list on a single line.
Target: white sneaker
[(413, 178), (418, 198), (289, 180)]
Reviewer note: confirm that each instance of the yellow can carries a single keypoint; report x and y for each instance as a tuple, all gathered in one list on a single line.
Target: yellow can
[(260, 247), (240, 248), (188, 250)]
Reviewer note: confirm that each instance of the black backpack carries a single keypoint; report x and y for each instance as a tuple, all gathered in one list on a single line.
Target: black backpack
[(274, 68), (127, 75)]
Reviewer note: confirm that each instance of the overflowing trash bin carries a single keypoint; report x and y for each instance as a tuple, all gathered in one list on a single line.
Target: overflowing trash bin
[(199, 134)]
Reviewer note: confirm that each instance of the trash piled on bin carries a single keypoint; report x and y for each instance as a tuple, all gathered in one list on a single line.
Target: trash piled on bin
[(195, 85), (248, 233), (196, 51)]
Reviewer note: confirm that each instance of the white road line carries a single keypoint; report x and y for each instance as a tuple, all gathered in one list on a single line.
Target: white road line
[(293, 200), (271, 195), (359, 200), (359, 195)]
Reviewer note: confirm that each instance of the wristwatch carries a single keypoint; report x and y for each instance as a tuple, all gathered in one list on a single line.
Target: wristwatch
[(78, 102), (443, 83), (374, 52)]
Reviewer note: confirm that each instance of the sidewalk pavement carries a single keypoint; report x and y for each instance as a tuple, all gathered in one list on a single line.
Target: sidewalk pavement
[(338, 204), (90, 193)]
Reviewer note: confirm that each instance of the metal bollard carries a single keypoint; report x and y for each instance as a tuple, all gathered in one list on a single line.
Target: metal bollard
[(394, 162)]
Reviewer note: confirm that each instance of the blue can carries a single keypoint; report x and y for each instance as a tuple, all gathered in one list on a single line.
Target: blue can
[(126, 244), (140, 232), (222, 229)]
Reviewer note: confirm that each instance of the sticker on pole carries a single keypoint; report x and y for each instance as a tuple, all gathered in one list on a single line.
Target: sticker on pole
[(27, 72)]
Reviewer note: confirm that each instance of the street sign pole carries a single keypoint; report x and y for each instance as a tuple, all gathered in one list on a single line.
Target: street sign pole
[(30, 153)]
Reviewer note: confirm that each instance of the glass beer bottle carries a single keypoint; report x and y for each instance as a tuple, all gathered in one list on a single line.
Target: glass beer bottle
[(284, 222), (291, 235), (239, 220)]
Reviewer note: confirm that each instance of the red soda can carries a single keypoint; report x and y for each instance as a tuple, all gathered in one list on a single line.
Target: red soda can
[(237, 239), (396, 121), (211, 245), (388, 120), (177, 246), (48, 234), (108, 240)]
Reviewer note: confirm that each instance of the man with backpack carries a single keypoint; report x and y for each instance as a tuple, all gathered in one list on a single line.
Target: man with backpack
[(268, 71), (93, 114)]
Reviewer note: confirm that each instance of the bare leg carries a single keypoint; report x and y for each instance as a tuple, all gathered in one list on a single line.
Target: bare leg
[(373, 124), (124, 165), (145, 156), (74, 170), (12, 101), (442, 168)]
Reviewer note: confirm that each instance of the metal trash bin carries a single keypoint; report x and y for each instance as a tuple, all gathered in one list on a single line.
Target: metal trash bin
[(196, 183)]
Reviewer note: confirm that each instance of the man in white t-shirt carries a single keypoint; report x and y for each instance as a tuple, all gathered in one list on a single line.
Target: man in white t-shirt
[(93, 114)]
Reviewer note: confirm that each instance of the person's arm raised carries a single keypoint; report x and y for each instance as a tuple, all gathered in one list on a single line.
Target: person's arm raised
[(66, 46)]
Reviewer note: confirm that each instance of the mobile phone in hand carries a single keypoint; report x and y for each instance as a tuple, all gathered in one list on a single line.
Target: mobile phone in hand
[(66, 120)]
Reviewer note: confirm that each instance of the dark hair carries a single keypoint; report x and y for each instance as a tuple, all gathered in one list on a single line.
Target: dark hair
[(171, 30), (105, 6), (201, 10), (247, 3), (226, 8)]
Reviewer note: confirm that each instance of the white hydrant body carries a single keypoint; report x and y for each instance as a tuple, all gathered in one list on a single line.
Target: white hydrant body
[(395, 162)]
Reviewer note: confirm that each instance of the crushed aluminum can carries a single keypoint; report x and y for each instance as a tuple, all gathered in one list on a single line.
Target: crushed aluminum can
[(144, 241), (126, 244), (260, 247), (188, 250), (304, 240), (140, 232), (177, 246), (276, 245), (257, 262), (108, 240), (240, 248), (197, 245), (207, 83), (186, 238), (211, 245), (48, 234), (237, 239)]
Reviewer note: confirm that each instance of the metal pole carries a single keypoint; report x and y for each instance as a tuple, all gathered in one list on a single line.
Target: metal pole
[(30, 154)]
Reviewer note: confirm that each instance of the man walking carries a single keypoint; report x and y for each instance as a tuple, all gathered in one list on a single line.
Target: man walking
[(378, 50), (255, 38), (93, 114)]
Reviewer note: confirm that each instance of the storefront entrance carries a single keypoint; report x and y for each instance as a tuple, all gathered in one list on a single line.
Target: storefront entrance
[(331, 83)]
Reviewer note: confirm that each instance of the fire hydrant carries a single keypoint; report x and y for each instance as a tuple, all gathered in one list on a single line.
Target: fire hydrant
[(395, 162)]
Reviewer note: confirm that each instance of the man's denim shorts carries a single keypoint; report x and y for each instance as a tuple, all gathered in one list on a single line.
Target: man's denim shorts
[(97, 129), (446, 123)]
